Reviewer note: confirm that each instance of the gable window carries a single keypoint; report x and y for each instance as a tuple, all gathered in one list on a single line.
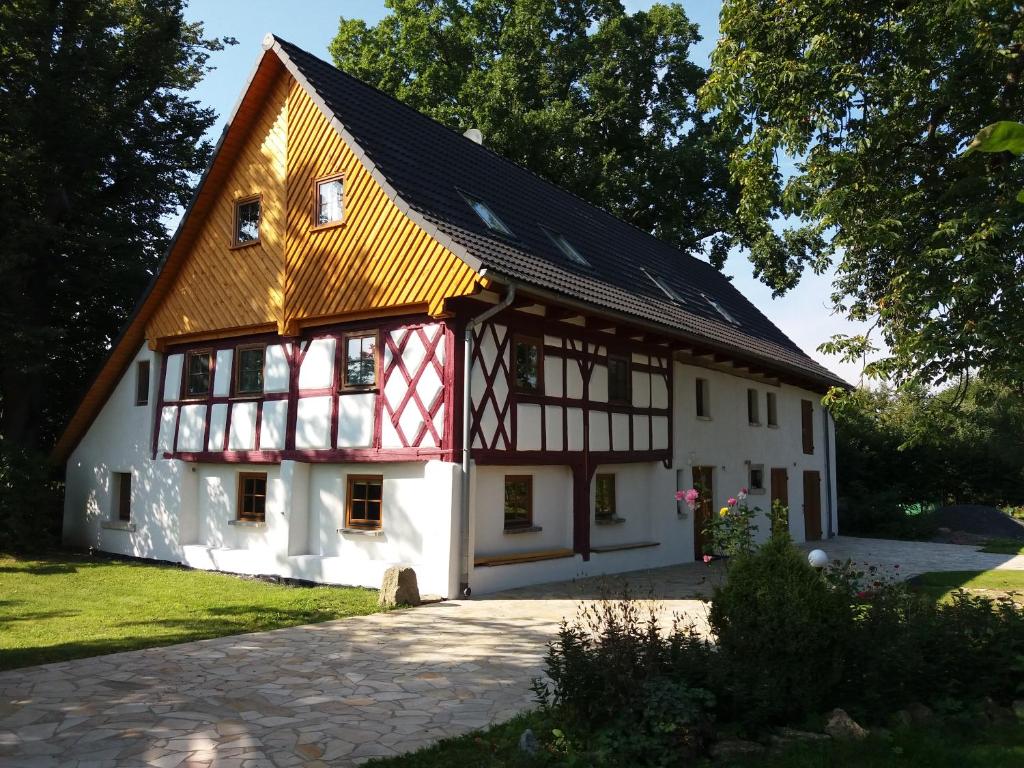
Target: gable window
[(247, 221), (249, 370), (528, 365), (753, 408), (364, 502), (604, 498), (122, 495), (518, 501), (773, 410), (197, 373), (720, 310), (807, 425), (487, 216), (360, 368), (252, 496), (756, 479), (330, 201), (568, 249), (703, 399), (142, 382), (673, 295), (619, 379)]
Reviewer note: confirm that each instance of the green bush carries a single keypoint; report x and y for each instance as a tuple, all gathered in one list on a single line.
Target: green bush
[(29, 501), (887, 514), (781, 634)]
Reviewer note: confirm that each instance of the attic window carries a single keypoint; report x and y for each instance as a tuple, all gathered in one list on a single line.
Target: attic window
[(667, 289), (330, 201), (568, 249), (487, 216), (247, 221), (721, 310)]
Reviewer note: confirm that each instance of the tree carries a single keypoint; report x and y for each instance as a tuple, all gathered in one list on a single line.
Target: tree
[(596, 100), (99, 145), (852, 119)]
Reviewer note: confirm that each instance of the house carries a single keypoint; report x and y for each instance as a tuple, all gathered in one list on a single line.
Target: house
[(355, 296)]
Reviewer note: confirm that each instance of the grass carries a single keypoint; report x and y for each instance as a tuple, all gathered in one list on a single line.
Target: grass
[(70, 606), (1004, 547), (946, 747), (938, 585)]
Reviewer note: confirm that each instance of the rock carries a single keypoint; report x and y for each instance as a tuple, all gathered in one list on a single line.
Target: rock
[(843, 727), (920, 714), (729, 750), (528, 742), (399, 587)]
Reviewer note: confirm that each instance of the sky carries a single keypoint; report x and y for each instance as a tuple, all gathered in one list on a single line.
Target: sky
[(804, 314)]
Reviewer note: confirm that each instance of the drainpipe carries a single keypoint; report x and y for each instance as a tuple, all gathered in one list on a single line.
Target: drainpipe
[(467, 369), (828, 471)]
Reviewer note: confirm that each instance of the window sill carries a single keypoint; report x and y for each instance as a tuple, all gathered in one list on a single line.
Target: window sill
[(754, 423), (118, 525), (703, 418), (362, 531), (329, 225), (756, 491), (773, 426), (248, 523), (524, 529), (614, 520), (245, 397), (247, 244)]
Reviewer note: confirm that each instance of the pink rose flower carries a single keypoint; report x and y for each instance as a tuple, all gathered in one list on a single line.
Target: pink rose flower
[(707, 559), (731, 502)]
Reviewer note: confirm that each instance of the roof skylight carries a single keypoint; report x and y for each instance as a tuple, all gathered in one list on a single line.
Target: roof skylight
[(721, 310), (568, 249), (487, 216), (667, 289)]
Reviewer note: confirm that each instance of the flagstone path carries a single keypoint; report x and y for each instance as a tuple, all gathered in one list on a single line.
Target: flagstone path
[(341, 692)]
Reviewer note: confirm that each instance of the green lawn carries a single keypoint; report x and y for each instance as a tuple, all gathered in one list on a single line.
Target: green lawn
[(1004, 547), (940, 584), (70, 606)]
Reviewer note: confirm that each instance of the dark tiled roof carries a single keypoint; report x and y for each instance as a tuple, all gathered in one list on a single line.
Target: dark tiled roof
[(429, 169)]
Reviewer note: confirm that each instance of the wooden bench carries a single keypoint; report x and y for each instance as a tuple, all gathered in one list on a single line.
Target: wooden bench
[(487, 561), (622, 547)]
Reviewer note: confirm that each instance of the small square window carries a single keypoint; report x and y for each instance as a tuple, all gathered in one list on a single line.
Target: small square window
[(518, 501), (364, 508), (703, 399), (330, 201), (249, 370), (247, 221), (528, 365), (142, 382), (252, 496), (360, 368), (604, 497), (756, 479), (773, 410), (122, 495), (753, 408), (198, 366), (619, 379), (487, 216)]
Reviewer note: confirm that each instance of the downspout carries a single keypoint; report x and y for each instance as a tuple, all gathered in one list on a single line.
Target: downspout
[(467, 369), (828, 471)]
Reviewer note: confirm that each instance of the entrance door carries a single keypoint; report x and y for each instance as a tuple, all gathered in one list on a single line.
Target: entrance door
[(780, 488), (812, 505), (702, 481)]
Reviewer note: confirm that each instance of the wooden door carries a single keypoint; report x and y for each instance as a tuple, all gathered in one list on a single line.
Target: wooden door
[(702, 481), (812, 505), (779, 490)]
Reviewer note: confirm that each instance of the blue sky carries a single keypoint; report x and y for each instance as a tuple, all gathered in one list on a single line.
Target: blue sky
[(804, 314)]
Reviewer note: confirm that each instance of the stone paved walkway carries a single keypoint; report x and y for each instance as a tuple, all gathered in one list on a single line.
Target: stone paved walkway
[(341, 692)]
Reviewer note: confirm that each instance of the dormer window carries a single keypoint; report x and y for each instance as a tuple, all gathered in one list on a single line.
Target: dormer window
[(672, 294), (247, 221), (487, 216), (568, 249), (720, 310), (330, 201)]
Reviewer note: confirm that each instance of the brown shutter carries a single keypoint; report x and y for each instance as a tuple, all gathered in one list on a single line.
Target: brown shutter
[(807, 425)]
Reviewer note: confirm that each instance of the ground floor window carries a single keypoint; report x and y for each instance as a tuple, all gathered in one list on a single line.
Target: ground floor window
[(365, 500), (518, 501), (756, 478), (604, 501), (122, 487), (252, 496)]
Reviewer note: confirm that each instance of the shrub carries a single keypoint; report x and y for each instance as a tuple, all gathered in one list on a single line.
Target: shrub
[(731, 531), (29, 501), (781, 634)]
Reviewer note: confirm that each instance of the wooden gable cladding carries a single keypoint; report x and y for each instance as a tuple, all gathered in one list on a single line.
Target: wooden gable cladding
[(219, 287), (377, 258)]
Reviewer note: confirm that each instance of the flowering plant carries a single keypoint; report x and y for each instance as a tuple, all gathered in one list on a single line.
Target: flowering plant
[(731, 531)]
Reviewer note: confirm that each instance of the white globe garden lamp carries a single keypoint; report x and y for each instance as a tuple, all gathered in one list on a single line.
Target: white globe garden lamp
[(817, 558)]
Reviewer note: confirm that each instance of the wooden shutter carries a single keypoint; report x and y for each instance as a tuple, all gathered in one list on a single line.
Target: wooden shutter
[(807, 425)]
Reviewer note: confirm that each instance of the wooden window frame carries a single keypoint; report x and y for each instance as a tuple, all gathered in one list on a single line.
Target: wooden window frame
[(807, 427), (185, 394), (537, 342), (124, 500), (772, 408), (239, 202), (363, 525), (236, 390), (703, 398), (753, 407), (343, 373), (613, 513), (528, 523), (628, 360), (316, 201), (142, 393), (750, 479), (240, 510)]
